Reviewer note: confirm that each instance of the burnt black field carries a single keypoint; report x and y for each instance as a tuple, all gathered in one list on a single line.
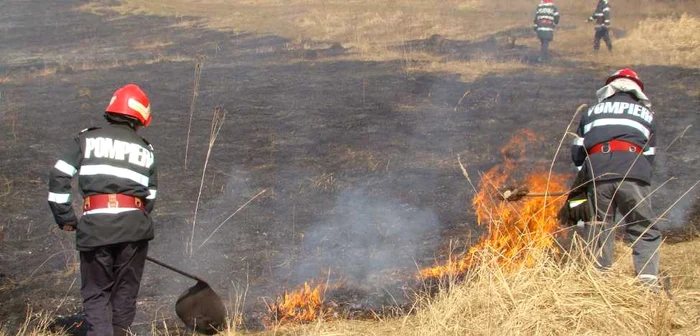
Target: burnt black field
[(358, 160)]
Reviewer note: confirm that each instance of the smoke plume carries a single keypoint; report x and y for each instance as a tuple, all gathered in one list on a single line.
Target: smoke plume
[(364, 234)]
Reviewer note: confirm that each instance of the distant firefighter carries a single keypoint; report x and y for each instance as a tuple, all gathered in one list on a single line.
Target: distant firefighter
[(601, 17), (546, 20)]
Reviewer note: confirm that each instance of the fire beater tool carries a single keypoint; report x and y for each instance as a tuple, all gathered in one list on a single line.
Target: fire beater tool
[(512, 194), (199, 307)]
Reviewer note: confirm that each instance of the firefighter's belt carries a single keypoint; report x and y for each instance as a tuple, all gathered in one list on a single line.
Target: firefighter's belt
[(614, 146), (106, 201)]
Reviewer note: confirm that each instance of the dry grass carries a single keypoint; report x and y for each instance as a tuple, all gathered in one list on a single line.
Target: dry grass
[(551, 297), (668, 40), (351, 22), (373, 30), (471, 70), (19, 77), (325, 182), (35, 324), (9, 119), (664, 41), (656, 31)]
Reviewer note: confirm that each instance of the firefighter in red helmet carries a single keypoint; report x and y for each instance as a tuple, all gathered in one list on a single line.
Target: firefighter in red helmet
[(615, 150), (116, 173), (546, 21), (601, 18)]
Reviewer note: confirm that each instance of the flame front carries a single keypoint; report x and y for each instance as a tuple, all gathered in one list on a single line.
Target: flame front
[(515, 230), (301, 306)]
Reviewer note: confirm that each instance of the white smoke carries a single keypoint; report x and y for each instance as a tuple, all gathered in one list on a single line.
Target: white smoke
[(364, 234)]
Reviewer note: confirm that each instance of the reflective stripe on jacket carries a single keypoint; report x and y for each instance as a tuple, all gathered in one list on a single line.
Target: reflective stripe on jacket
[(108, 160), (620, 117)]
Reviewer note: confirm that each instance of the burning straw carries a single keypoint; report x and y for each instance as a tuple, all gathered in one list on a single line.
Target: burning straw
[(301, 306), (514, 229)]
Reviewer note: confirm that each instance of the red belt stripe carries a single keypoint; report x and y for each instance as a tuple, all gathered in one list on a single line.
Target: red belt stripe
[(106, 201)]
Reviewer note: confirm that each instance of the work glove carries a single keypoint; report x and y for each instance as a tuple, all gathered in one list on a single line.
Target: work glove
[(577, 209), (68, 226)]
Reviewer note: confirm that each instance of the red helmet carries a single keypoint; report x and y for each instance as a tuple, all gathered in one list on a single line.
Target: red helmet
[(132, 102), (626, 73)]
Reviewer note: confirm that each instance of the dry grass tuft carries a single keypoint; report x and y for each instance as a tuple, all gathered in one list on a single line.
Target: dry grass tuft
[(548, 299), (325, 182), (35, 324), (664, 41), (5, 189)]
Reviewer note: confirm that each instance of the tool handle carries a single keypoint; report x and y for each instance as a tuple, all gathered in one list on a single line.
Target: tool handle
[(194, 277), (559, 193)]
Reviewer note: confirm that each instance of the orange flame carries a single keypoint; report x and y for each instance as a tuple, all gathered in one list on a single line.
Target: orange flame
[(515, 229), (301, 306)]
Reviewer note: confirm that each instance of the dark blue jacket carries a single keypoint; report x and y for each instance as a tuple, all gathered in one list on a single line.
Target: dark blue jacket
[(620, 116), (546, 20), (110, 160)]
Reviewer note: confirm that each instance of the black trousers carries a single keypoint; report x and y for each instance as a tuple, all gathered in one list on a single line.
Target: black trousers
[(631, 198), (544, 50), (110, 277), (604, 34)]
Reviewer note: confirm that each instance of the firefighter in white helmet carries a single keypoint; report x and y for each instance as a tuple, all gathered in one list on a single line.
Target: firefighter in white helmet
[(615, 152), (116, 173)]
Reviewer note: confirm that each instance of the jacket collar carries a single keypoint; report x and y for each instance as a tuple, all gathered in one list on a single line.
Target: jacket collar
[(623, 85)]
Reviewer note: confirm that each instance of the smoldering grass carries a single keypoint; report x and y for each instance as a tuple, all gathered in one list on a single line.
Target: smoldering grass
[(199, 62), (217, 121)]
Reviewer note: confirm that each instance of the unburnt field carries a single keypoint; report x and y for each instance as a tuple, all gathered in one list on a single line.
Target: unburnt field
[(345, 136)]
